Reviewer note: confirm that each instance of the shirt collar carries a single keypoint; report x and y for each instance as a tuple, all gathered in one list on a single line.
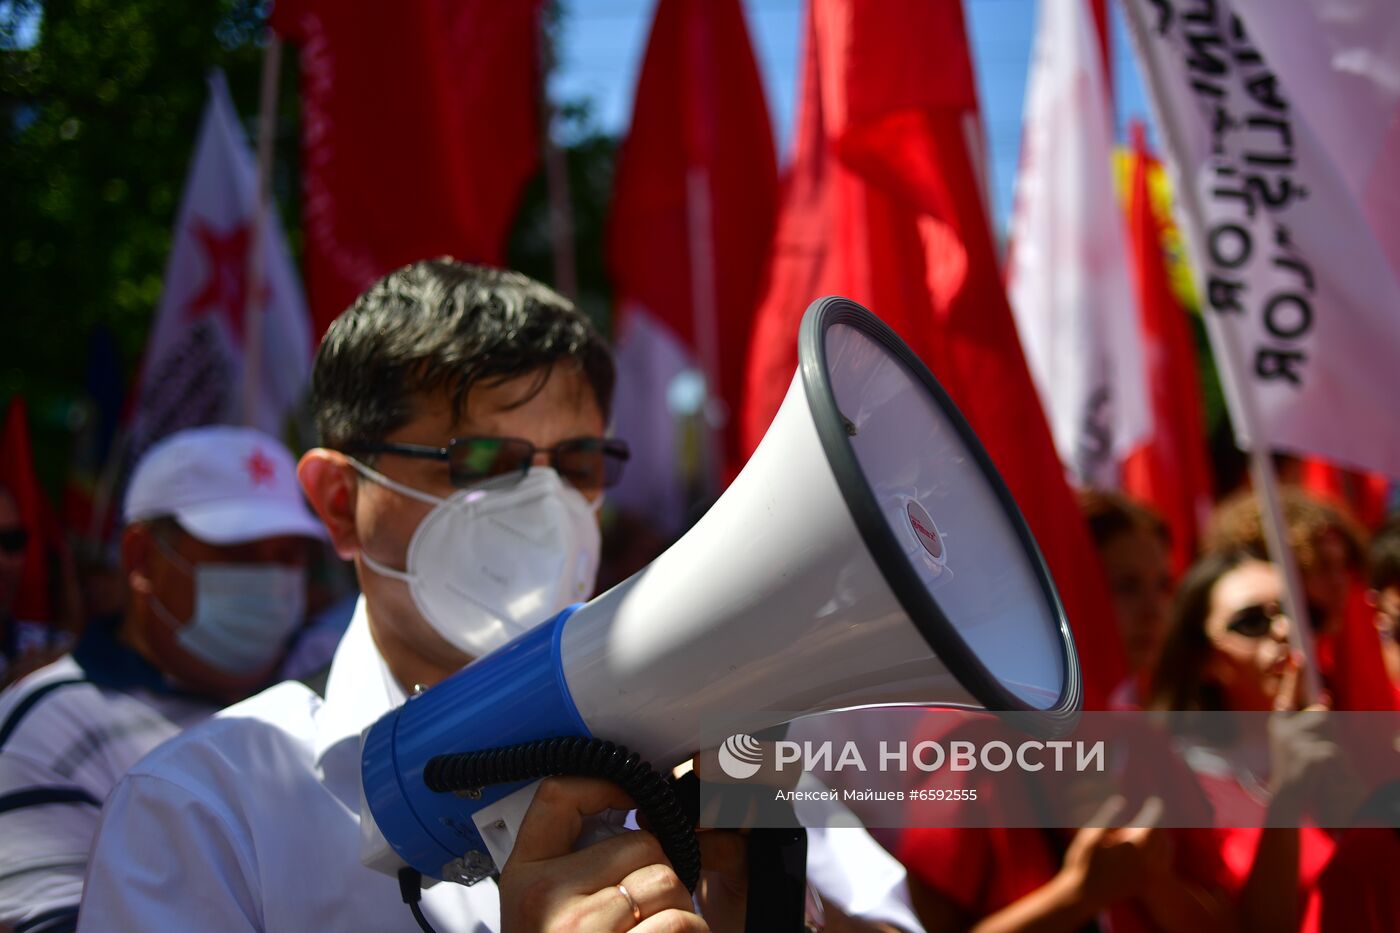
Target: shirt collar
[(360, 688)]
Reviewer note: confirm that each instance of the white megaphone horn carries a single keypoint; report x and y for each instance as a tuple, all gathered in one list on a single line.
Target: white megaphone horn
[(867, 554)]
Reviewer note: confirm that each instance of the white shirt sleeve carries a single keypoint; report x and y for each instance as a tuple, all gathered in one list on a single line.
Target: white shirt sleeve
[(847, 866), (165, 859), (47, 822)]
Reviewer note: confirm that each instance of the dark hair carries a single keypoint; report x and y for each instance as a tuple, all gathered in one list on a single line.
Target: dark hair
[(1237, 525), (442, 325), (1385, 556), (1110, 514), (1177, 680)]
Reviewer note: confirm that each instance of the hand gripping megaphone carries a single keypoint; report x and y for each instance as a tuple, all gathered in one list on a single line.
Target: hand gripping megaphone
[(867, 554)]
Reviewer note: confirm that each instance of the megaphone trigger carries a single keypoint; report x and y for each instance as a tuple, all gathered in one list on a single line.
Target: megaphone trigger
[(585, 757), (499, 824)]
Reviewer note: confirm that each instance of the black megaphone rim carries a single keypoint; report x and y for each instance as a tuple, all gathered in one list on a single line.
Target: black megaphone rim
[(923, 610)]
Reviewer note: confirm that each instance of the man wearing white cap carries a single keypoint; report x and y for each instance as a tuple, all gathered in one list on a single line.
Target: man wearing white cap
[(214, 553)]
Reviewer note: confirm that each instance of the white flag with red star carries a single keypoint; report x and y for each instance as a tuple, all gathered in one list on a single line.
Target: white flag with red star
[(196, 358)]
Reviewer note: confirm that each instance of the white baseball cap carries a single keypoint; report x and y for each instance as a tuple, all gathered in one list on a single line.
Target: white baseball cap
[(223, 484)]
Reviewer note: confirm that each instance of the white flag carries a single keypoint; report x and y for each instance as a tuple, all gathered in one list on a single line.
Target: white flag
[(192, 372), (1069, 280), (1286, 152)]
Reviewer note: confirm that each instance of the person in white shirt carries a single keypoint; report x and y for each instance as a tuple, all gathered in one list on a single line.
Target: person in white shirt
[(214, 552), (445, 393)]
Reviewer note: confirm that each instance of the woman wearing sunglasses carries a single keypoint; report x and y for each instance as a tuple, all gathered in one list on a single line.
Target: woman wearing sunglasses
[(1228, 648)]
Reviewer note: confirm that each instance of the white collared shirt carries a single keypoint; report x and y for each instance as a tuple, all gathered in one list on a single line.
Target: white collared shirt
[(252, 821), (66, 737)]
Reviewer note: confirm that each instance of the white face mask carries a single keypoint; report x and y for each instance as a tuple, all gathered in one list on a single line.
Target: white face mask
[(243, 613), (490, 563)]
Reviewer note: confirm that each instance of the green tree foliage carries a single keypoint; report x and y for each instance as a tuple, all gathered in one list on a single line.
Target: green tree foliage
[(100, 101), (99, 117)]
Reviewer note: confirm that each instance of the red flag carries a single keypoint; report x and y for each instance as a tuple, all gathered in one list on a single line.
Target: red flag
[(419, 130), (1350, 659), (1171, 471), (1363, 495), (886, 205), (31, 599), (691, 221)]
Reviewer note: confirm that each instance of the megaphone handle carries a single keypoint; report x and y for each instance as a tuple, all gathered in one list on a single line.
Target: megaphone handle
[(777, 898), (654, 794)]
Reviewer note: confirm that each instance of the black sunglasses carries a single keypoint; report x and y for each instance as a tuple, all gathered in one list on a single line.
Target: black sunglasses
[(1254, 621), (14, 539), (589, 464)]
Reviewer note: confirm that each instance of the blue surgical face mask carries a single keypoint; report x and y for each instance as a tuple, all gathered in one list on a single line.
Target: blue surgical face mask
[(243, 613)]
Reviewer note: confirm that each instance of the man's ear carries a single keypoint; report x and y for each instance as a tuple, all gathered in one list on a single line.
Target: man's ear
[(329, 482), (138, 549)]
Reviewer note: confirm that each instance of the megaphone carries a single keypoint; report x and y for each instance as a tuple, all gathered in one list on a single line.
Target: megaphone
[(867, 554)]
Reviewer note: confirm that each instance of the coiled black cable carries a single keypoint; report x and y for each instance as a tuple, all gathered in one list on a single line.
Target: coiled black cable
[(580, 757)]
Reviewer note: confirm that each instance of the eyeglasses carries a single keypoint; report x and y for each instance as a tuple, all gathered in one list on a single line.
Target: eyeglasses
[(589, 464), (1254, 621), (1258, 621), (14, 539)]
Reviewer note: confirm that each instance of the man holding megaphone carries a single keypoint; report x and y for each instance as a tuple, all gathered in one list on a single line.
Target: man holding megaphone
[(463, 416)]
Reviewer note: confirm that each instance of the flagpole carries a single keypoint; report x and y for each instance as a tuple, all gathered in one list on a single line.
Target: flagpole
[(253, 279), (1242, 399)]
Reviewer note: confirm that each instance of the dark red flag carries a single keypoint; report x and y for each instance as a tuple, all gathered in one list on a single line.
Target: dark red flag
[(31, 599), (691, 221), (1363, 495), (1350, 659), (886, 205), (1171, 471), (419, 130)]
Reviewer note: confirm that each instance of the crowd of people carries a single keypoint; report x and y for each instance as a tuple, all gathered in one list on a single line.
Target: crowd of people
[(1268, 855), (456, 405)]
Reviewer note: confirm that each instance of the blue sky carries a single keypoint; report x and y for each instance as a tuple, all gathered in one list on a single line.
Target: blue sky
[(603, 43)]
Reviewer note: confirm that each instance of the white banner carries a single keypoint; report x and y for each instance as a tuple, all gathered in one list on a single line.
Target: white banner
[(1278, 153), (1069, 280)]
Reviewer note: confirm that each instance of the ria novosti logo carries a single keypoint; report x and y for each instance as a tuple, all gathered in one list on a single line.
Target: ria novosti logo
[(740, 756)]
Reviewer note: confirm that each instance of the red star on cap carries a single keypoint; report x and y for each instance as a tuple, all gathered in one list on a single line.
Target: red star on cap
[(260, 468), (226, 266)]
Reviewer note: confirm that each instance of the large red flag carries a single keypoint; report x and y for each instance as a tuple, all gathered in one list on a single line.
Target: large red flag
[(1364, 494), (691, 221), (1171, 471), (419, 130), (886, 205), (31, 599)]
